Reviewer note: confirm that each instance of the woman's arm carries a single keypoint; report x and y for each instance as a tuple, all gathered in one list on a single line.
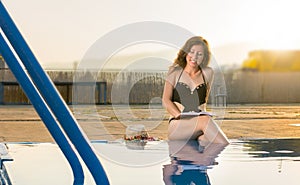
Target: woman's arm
[(167, 100), (209, 77)]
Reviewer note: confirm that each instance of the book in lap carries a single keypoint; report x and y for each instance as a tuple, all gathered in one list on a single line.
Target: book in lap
[(192, 113)]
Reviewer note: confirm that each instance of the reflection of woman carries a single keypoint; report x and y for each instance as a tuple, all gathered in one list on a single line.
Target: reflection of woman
[(187, 87), (189, 164)]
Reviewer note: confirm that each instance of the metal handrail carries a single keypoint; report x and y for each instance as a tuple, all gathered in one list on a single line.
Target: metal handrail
[(52, 98), (43, 111)]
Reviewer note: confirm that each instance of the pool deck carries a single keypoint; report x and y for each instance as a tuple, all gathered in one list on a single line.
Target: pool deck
[(22, 124)]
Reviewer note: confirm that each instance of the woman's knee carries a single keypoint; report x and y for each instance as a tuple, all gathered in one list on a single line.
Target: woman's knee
[(202, 122)]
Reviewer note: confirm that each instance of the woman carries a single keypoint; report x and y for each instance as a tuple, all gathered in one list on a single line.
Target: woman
[(187, 87)]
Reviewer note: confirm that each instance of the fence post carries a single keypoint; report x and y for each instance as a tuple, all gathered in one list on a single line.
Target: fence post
[(1, 93)]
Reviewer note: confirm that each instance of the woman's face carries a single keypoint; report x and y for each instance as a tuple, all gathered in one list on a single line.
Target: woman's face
[(195, 56)]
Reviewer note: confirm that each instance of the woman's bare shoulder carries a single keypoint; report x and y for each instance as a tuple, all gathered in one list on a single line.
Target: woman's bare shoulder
[(208, 72), (173, 69), (208, 69), (173, 74)]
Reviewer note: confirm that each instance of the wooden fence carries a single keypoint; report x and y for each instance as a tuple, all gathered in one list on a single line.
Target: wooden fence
[(147, 87)]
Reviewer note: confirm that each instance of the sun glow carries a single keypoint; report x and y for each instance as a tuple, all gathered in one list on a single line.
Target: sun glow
[(271, 24)]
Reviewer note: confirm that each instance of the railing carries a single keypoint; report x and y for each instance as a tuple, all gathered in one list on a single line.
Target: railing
[(20, 98), (48, 102)]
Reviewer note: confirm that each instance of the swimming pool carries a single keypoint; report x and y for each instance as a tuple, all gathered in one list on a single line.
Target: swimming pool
[(255, 161)]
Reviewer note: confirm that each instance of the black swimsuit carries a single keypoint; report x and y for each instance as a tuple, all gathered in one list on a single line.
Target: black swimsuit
[(190, 99)]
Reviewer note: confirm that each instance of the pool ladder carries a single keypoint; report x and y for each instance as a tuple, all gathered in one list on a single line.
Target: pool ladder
[(48, 103)]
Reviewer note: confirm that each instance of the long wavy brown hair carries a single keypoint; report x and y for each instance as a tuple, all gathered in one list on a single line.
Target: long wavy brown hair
[(197, 40)]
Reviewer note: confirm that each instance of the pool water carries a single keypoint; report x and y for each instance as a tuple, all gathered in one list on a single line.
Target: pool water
[(255, 161)]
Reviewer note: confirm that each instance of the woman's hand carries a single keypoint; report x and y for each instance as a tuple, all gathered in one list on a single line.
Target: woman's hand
[(177, 116)]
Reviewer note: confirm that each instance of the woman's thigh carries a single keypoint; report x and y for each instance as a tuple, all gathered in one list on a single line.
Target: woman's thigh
[(213, 133), (200, 127), (186, 129)]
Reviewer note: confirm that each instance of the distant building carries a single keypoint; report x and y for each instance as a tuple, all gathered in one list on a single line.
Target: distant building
[(273, 61)]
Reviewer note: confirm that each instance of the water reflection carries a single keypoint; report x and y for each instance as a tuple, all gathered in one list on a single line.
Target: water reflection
[(273, 147), (189, 162)]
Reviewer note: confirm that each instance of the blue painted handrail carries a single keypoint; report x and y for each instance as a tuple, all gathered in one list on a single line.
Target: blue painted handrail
[(52, 98), (43, 111)]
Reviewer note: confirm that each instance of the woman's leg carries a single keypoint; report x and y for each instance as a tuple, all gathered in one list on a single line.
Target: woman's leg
[(212, 132), (184, 129), (202, 128)]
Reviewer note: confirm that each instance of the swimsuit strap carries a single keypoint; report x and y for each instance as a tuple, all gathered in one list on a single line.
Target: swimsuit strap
[(207, 85), (203, 76), (178, 78)]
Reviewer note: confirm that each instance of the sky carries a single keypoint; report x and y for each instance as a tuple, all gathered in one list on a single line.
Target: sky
[(61, 32)]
